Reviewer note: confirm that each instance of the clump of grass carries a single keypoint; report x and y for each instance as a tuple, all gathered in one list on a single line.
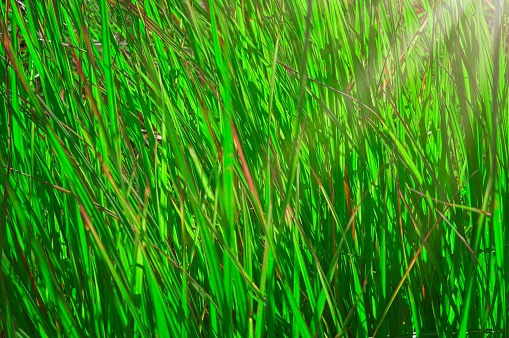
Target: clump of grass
[(245, 168)]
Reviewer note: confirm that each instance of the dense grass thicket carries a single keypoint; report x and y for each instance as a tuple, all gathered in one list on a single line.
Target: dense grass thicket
[(279, 168)]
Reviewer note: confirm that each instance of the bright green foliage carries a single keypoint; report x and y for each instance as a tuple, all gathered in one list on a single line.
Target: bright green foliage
[(231, 168)]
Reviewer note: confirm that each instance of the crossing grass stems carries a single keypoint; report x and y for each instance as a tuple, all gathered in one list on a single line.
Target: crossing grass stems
[(253, 168)]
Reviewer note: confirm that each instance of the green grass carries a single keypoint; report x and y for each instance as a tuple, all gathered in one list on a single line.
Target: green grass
[(234, 168)]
